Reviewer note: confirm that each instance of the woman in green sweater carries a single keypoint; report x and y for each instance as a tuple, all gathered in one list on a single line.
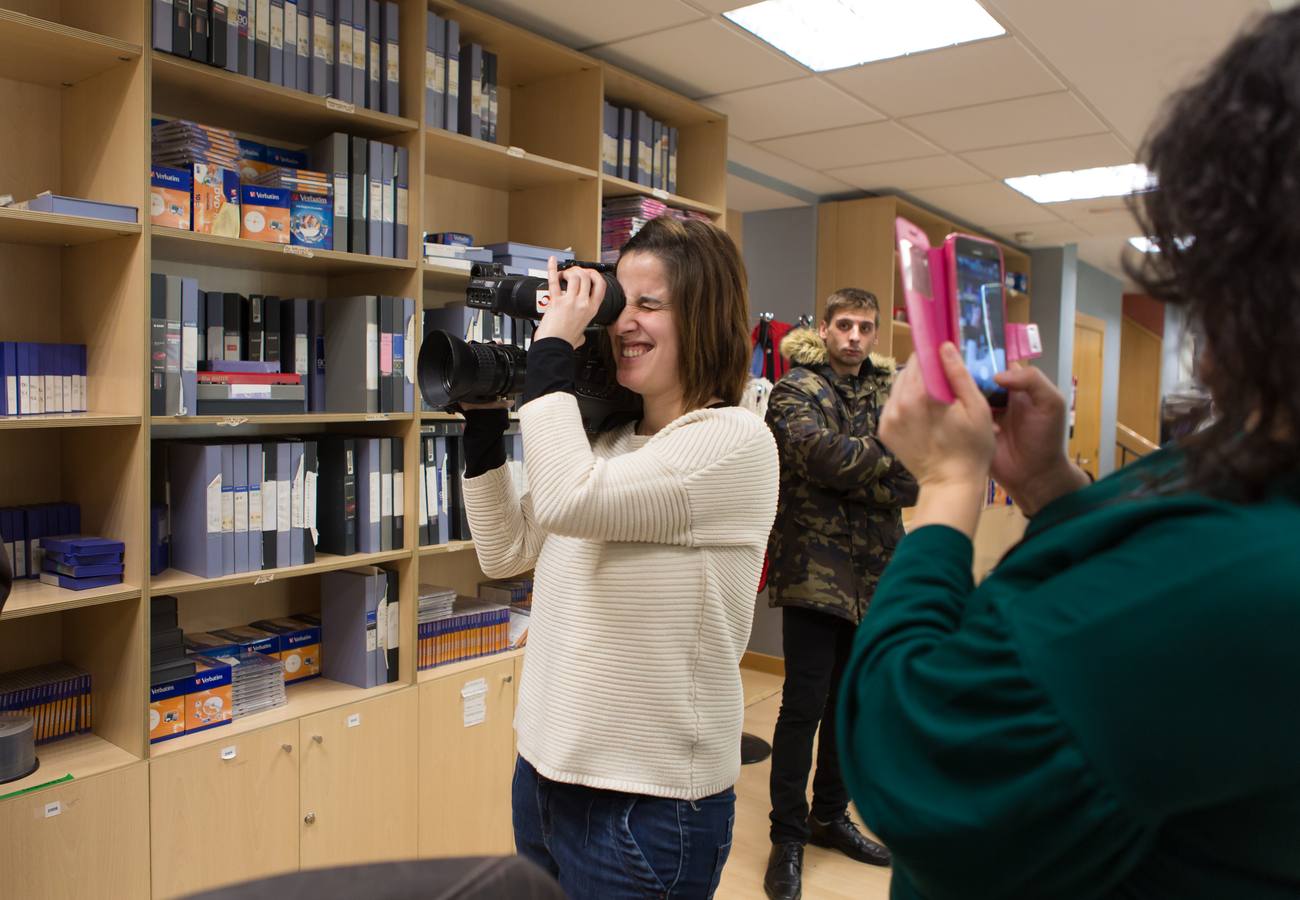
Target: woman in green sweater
[(1113, 712)]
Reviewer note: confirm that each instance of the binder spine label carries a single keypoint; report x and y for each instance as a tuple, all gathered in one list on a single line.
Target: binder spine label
[(241, 509), (283, 506), (270, 505), (277, 33), (393, 67), (340, 196), (372, 356), (227, 508), (309, 508), (375, 499), (216, 505), (255, 508), (297, 492)]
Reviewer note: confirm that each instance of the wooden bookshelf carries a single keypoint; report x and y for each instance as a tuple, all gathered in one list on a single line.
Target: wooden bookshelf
[(438, 277), (450, 547), (33, 598), (20, 226), (80, 756), (466, 159), (855, 245), (53, 54), (621, 187), (192, 90), (305, 699), (456, 669), (288, 420), (66, 420), (200, 249), (82, 280), (174, 581)]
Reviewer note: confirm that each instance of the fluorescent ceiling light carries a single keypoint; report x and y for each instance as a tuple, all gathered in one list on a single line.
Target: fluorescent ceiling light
[(1084, 184), (1150, 245), (832, 34)]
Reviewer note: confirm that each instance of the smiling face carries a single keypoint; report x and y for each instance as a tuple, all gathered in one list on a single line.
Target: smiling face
[(646, 344)]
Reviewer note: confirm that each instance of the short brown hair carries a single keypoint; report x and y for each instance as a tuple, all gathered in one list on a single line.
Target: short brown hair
[(709, 292), (850, 298)]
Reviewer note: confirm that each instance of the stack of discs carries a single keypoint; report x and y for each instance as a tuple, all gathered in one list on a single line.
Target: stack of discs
[(17, 746), (300, 180), (435, 603), (181, 144), (257, 682)]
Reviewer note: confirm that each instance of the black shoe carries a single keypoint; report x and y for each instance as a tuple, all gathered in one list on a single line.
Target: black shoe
[(843, 835), (784, 878)]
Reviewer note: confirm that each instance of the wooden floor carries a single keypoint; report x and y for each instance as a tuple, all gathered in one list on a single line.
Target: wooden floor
[(827, 875)]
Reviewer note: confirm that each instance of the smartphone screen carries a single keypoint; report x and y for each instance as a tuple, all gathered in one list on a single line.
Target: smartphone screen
[(981, 328)]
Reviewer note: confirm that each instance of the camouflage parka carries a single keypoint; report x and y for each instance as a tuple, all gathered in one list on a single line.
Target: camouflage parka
[(838, 516)]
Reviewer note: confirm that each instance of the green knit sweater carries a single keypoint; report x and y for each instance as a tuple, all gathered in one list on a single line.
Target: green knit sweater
[(1113, 713)]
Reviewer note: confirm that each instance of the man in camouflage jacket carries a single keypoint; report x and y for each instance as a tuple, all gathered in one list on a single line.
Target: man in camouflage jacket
[(838, 521)]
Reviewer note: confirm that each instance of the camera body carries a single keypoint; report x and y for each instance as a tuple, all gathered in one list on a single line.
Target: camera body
[(452, 370)]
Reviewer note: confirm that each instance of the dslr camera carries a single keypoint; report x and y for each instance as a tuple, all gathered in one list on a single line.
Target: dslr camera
[(451, 370)]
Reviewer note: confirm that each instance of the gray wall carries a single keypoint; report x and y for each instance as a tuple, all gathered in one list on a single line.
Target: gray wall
[(1102, 296), (780, 250), (1055, 288)]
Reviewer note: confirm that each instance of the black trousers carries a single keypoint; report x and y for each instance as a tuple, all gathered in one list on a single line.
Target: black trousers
[(816, 648)]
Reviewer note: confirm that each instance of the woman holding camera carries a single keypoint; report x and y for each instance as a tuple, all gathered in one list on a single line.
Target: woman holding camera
[(1112, 712), (647, 546)]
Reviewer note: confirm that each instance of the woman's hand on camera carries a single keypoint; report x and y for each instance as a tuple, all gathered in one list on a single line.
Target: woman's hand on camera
[(1030, 461), (573, 307), (947, 447)]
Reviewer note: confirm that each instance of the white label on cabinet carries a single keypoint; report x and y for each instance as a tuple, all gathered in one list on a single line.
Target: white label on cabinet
[(53, 809), (474, 699), (230, 752), (660, 193), (516, 151), (354, 720), (340, 105)]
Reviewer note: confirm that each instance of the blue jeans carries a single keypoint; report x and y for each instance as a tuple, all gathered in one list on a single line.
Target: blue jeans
[(607, 845)]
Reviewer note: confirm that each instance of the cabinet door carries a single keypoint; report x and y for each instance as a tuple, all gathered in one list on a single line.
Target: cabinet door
[(466, 762), (56, 843), (358, 782), (226, 811)]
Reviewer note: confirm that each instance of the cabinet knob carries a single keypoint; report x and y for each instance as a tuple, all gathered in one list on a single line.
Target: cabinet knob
[(318, 739), (288, 748), (309, 819), (506, 679)]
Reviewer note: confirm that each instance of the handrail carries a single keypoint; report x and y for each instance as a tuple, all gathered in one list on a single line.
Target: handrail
[(1132, 441), (1131, 445)]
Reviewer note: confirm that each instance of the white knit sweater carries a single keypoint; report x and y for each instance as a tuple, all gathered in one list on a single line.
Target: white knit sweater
[(647, 554)]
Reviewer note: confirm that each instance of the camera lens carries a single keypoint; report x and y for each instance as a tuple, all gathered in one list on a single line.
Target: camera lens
[(451, 370)]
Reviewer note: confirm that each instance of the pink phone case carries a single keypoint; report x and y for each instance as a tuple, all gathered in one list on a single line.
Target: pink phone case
[(928, 309)]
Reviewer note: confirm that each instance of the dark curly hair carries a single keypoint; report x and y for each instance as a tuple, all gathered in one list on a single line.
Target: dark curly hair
[(1226, 219)]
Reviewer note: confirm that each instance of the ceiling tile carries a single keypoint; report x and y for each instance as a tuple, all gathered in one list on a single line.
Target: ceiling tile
[(988, 205), (1106, 254), (1159, 46), (1051, 156), (721, 6), (791, 107), (747, 196), (911, 174), (583, 23), (1082, 210), (1041, 234), (951, 77), (701, 59), (1109, 224), (782, 169), (859, 145), (1009, 122)]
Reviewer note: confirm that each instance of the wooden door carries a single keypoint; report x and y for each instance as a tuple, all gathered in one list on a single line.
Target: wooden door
[(83, 839), (467, 761), (1140, 356), (225, 812), (1089, 351), (358, 800)]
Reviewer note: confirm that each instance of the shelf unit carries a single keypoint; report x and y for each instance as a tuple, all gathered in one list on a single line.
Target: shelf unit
[(81, 79), (855, 246)]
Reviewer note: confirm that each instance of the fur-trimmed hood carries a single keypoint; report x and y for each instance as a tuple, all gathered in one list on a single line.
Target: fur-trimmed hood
[(804, 347)]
